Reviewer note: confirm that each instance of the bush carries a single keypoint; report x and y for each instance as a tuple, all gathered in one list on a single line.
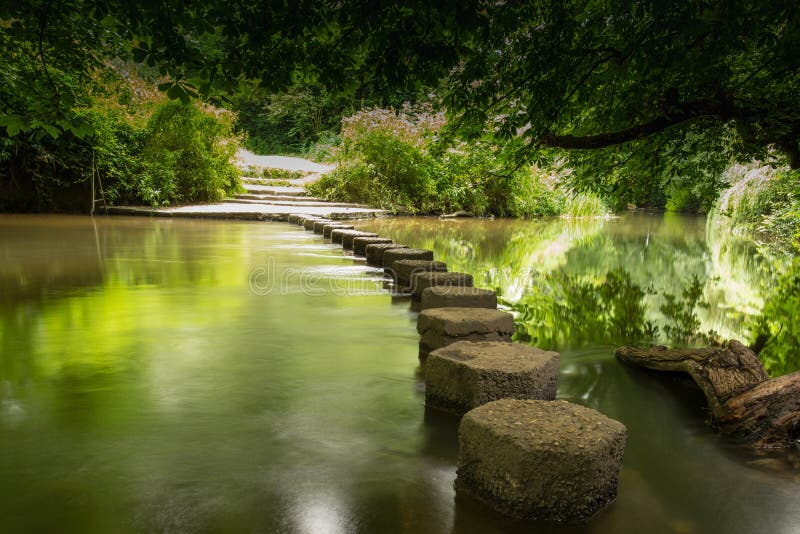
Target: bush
[(389, 159), (763, 201), (138, 146)]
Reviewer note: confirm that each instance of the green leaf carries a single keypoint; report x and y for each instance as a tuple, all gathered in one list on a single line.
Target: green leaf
[(14, 124)]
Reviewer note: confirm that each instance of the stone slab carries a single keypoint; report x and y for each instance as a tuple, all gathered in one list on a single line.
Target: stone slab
[(439, 327), (360, 244), (392, 255), (245, 212), (374, 253), (337, 234), (347, 240), (540, 460), (422, 281), (309, 223), (403, 270), (466, 374), (328, 228), (458, 296), (320, 224)]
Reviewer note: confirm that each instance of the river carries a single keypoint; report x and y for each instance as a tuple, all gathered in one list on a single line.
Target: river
[(198, 376)]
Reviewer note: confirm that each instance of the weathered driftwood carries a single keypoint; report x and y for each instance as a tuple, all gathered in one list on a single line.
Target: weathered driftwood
[(744, 402)]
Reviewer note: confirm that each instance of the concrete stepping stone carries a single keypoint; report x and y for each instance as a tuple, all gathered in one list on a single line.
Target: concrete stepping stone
[(337, 234), (309, 223), (374, 253), (392, 255), (458, 296), (301, 219), (540, 460), (422, 281), (403, 270), (347, 240), (328, 228), (360, 244), (466, 374), (320, 224), (439, 327)]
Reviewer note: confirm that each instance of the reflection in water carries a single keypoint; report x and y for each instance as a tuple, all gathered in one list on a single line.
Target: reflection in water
[(148, 387), (580, 282)]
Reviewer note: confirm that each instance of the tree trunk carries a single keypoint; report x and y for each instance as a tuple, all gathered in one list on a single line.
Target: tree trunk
[(744, 402)]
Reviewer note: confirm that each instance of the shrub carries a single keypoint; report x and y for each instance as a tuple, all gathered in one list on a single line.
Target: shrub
[(389, 159), (763, 201)]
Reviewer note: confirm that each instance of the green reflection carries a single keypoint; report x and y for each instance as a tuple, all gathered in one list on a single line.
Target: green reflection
[(638, 278)]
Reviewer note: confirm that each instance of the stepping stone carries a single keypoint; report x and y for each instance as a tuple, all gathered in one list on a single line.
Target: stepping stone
[(328, 228), (309, 223), (466, 374), (421, 281), (293, 218), (403, 270), (301, 219), (374, 253), (320, 224), (360, 244), (392, 255), (540, 460), (347, 240), (337, 234), (464, 297), (440, 327)]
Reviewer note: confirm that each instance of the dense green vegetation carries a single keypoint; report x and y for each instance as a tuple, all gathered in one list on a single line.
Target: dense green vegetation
[(642, 102), (391, 159), (516, 109), (72, 116)]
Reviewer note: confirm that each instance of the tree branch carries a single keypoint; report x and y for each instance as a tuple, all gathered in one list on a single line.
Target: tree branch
[(639, 131)]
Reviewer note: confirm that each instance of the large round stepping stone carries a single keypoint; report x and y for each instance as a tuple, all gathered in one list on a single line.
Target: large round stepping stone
[(453, 296), (320, 224), (439, 327), (294, 218), (404, 269), (328, 228), (347, 240), (392, 255), (542, 460), (375, 253), (466, 374), (422, 281), (360, 244)]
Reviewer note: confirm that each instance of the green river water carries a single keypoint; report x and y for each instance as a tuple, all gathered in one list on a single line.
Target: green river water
[(213, 376)]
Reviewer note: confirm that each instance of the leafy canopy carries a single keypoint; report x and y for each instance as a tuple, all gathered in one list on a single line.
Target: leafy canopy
[(634, 88)]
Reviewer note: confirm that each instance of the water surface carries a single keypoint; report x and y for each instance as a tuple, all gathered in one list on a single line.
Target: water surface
[(198, 376)]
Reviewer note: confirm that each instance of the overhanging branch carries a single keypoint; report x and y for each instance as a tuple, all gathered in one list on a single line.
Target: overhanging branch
[(639, 131)]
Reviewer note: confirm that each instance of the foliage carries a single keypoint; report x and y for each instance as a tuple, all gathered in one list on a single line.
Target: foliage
[(391, 159), (647, 102), (559, 310), (682, 322), (779, 323), (186, 155), (293, 121), (563, 310), (138, 147), (762, 201)]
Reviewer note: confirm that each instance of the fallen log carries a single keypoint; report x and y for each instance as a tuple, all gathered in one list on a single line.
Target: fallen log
[(744, 402)]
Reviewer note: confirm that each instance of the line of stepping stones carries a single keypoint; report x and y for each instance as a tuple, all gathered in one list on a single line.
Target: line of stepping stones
[(522, 452)]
